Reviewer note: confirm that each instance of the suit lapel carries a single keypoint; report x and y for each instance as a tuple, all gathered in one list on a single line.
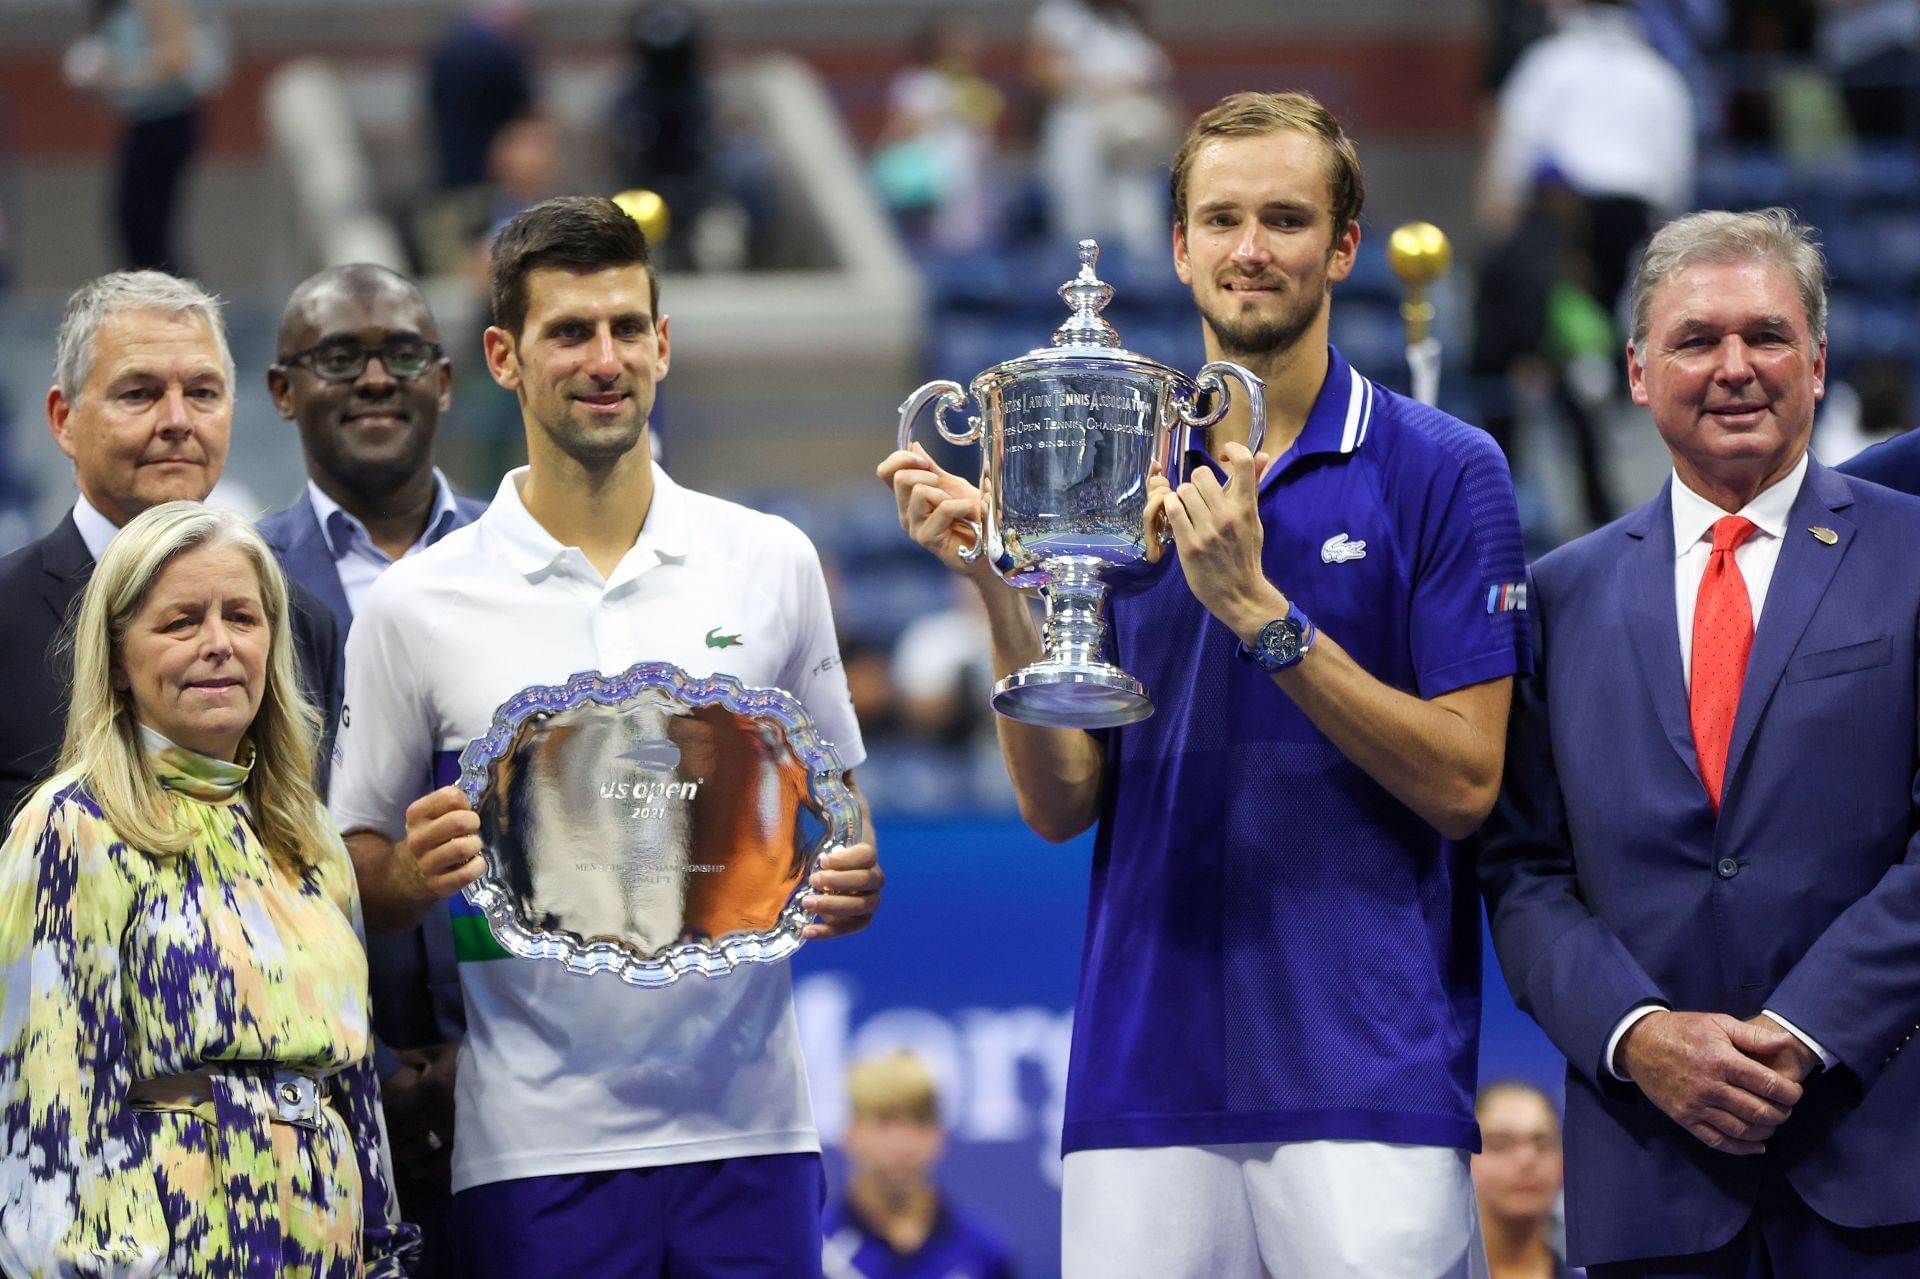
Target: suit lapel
[(310, 563), (67, 563), (1805, 570), (1646, 578)]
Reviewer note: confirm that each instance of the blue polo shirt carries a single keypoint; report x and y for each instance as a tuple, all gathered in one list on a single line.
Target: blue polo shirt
[(960, 1246), (1277, 949)]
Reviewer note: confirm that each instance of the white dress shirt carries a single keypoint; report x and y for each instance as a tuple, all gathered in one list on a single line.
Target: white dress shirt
[(96, 530), (1693, 520)]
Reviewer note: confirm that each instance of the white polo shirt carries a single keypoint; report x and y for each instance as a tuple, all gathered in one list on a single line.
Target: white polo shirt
[(562, 1073)]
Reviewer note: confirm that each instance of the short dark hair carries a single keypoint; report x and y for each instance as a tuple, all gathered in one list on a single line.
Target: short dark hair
[(1244, 115), (571, 233)]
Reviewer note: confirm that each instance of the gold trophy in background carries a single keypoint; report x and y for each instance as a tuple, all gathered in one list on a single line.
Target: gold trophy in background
[(1420, 254), (650, 211)]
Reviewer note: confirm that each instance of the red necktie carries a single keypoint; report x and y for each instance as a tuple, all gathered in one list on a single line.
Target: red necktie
[(1722, 638)]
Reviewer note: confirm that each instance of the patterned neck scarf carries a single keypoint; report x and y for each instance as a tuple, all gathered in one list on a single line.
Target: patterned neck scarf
[(201, 777)]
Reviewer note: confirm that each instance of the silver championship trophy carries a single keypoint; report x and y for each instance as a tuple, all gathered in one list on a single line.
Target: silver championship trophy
[(653, 824), (1069, 435)]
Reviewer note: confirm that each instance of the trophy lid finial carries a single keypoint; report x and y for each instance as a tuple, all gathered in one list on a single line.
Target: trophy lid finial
[(1086, 294)]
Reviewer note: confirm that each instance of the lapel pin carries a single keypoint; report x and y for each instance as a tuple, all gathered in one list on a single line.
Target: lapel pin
[(1825, 536)]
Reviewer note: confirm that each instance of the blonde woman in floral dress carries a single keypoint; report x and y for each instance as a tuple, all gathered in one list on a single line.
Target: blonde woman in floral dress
[(185, 1087)]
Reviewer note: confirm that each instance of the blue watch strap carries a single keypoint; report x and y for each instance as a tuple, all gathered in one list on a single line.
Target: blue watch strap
[(1304, 630)]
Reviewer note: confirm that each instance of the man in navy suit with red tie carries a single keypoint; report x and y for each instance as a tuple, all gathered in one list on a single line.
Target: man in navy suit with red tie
[(1703, 872)]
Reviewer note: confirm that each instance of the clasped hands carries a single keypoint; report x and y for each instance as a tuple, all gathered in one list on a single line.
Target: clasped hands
[(1730, 1083), (442, 846), (418, 1100)]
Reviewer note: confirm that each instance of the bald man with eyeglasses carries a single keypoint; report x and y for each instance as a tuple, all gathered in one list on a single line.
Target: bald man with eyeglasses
[(362, 375)]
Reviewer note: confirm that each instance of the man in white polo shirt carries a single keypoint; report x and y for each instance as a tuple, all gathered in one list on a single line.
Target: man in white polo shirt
[(604, 1132)]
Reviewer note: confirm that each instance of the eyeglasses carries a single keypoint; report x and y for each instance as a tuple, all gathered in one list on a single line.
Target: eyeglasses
[(344, 360)]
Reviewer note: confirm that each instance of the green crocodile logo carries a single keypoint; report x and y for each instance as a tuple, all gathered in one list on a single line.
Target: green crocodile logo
[(716, 640)]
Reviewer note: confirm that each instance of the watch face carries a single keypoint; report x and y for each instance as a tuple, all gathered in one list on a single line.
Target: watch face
[(1279, 642)]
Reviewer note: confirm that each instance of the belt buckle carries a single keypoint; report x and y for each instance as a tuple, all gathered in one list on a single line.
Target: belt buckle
[(296, 1098)]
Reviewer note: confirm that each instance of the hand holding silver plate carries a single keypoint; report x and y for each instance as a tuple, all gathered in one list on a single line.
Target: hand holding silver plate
[(653, 824), (1069, 436)]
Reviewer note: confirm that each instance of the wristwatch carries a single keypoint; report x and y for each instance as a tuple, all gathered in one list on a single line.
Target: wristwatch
[(1282, 642)]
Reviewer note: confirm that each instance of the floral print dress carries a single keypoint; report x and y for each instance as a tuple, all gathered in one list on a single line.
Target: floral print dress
[(117, 968)]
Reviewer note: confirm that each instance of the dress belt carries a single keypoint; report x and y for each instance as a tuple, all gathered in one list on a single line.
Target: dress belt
[(297, 1095)]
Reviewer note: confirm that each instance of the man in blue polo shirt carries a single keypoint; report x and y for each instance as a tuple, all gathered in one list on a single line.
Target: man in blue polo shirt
[(1274, 1047)]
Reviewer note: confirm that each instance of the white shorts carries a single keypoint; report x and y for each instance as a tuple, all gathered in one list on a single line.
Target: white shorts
[(1271, 1210)]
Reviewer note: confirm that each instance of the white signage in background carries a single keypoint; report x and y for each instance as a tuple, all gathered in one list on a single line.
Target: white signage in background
[(979, 1056)]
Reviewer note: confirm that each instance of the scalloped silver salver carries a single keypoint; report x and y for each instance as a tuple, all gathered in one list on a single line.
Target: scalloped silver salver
[(652, 824)]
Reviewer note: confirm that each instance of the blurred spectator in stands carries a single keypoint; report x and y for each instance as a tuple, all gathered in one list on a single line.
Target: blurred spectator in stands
[(1516, 1178), (455, 233), (671, 136), (1592, 143), (479, 85), (1689, 33), (479, 80), (876, 699), (1873, 49), (523, 167), (154, 61), (1871, 405), (943, 671), (1543, 348), (934, 162), (1110, 123), (1512, 27), (893, 1222), (1594, 104), (1765, 38)]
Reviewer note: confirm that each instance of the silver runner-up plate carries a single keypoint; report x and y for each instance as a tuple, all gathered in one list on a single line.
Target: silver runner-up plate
[(653, 824)]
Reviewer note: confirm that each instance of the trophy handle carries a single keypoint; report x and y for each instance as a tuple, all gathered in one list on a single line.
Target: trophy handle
[(1213, 381), (951, 395), (946, 396)]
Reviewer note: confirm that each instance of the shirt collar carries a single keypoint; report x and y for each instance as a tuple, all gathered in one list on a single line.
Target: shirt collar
[(96, 530), (337, 526), (1694, 516), (532, 550), (1341, 417)]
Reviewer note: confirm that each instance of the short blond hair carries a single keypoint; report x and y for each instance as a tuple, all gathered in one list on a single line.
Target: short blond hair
[(1247, 115), (1516, 1088), (894, 1086), (103, 743)]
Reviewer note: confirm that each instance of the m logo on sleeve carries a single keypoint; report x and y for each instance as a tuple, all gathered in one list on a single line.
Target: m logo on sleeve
[(1507, 597)]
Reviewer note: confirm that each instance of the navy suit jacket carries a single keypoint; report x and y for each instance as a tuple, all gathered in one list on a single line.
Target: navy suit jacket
[(1609, 881), (414, 978), (40, 588), (1894, 463), (296, 537)]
